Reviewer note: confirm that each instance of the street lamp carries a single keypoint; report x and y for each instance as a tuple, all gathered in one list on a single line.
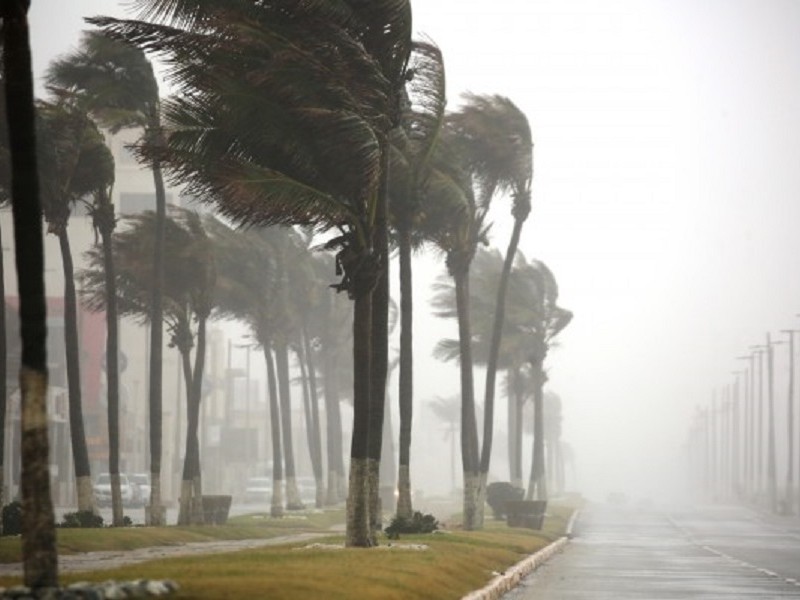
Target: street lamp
[(749, 395), (789, 508)]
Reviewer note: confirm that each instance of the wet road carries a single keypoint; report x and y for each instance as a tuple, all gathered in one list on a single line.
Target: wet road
[(704, 553)]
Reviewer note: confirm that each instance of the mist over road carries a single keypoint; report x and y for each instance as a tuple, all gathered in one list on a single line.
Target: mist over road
[(699, 553)]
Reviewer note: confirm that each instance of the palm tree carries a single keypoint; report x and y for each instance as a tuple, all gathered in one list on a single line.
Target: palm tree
[(456, 224), (546, 321), (288, 166), (120, 90), (497, 145), (39, 556), (412, 145), (189, 298), (75, 164), (5, 198)]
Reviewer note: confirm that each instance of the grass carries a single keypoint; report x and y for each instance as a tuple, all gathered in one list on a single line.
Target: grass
[(454, 563)]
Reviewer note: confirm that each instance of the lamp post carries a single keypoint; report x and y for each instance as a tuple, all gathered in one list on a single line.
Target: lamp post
[(758, 474), (772, 480), (789, 508), (748, 423), (737, 436)]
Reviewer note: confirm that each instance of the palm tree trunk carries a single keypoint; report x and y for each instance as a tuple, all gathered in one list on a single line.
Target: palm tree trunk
[(276, 506), (39, 557), (293, 501), (198, 518), (316, 434), (494, 353), (378, 375), (185, 499), (537, 487), (469, 427), (3, 384), (334, 430), (406, 383), (80, 453), (358, 527), (157, 512), (105, 220)]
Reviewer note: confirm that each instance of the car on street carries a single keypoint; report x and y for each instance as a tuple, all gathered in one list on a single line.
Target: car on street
[(102, 489), (258, 489), (143, 487)]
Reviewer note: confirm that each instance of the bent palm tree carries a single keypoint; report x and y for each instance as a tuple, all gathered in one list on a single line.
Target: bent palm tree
[(120, 90), (275, 128), (75, 164), (412, 145), (496, 142)]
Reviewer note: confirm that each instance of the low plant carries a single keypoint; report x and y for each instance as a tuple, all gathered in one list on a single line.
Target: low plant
[(418, 523), (81, 518)]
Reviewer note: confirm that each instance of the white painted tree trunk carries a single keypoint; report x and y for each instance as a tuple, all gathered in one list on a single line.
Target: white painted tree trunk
[(83, 486), (471, 485), (293, 501), (358, 505), (404, 504)]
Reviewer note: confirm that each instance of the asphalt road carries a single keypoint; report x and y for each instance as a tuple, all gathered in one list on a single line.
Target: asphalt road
[(706, 553)]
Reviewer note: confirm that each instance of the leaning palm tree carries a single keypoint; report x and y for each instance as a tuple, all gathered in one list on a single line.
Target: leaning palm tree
[(188, 294), (120, 90), (248, 293), (75, 164), (496, 142), (275, 128), (412, 145), (456, 224)]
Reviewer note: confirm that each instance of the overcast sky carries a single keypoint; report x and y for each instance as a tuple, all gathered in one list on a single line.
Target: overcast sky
[(665, 196)]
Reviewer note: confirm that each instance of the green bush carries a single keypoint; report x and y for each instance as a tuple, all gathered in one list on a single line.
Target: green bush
[(418, 523), (81, 518), (12, 518)]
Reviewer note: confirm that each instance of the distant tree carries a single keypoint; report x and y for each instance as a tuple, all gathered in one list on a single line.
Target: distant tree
[(75, 164), (495, 140), (120, 90), (315, 155), (39, 557), (412, 148)]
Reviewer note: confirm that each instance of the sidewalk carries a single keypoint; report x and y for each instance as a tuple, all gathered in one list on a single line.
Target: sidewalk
[(94, 561)]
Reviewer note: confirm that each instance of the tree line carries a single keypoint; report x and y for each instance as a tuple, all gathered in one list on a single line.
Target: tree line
[(294, 121)]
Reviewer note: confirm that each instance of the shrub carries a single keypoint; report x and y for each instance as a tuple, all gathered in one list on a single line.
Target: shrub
[(499, 494), (418, 523), (81, 518), (12, 518)]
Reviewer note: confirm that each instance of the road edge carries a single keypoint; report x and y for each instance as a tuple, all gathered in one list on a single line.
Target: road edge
[(511, 577)]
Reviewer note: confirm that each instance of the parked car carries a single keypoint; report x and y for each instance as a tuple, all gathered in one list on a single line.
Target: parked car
[(143, 487), (102, 489), (258, 489)]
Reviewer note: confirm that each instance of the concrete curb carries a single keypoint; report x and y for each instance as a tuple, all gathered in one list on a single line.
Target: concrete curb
[(512, 577)]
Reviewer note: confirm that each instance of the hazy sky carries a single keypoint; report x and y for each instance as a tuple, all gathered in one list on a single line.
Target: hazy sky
[(665, 195)]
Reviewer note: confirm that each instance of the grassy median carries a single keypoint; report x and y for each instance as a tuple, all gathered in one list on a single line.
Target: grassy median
[(440, 565)]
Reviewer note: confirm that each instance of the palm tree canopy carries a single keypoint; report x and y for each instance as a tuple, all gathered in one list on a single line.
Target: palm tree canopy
[(74, 160), (190, 269), (270, 94), (115, 80), (533, 317), (495, 140)]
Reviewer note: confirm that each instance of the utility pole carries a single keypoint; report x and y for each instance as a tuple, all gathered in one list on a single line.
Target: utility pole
[(759, 424), (772, 476), (748, 424), (789, 508)]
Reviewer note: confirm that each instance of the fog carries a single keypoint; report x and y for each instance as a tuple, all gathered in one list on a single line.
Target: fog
[(664, 200)]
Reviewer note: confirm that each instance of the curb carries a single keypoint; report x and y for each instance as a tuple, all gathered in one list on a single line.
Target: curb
[(512, 576)]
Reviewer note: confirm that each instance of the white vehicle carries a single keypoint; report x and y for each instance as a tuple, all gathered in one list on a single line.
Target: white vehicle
[(259, 489), (142, 483), (102, 489)]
